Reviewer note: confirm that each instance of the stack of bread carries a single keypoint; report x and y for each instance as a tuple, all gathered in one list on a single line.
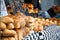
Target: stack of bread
[(7, 26), (11, 27), (14, 27)]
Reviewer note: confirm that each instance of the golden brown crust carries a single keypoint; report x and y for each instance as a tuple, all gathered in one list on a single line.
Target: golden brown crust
[(2, 25), (7, 20), (10, 26), (8, 32)]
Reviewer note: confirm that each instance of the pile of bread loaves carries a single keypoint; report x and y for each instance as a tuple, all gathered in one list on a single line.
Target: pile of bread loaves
[(15, 27)]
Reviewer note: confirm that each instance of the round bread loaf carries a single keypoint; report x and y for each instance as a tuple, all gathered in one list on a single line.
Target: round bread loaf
[(2, 26), (10, 26)]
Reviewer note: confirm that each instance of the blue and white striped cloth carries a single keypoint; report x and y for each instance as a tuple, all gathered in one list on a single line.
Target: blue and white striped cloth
[(51, 32), (34, 36)]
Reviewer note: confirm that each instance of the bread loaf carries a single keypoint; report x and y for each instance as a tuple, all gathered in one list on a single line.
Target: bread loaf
[(8, 32), (2, 26), (7, 19), (10, 26)]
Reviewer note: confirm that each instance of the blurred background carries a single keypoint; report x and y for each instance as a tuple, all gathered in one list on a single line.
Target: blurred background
[(44, 8)]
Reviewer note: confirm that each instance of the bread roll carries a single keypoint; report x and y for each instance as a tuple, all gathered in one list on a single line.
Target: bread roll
[(7, 19), (10, 26), (2, 25), (30, 6), (30, 19), (55, 22), (43, 22), (11, 38), (40, 27), (35, 29), (47, 22), (8, 32), (51, 22), (30, 11)]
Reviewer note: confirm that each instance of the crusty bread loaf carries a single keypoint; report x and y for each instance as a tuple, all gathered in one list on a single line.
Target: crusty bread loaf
[(10, 26), (7, 20), (2, 26), (8, 32)]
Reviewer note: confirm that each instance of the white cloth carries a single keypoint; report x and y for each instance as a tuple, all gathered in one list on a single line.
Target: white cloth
[(3, 11)]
